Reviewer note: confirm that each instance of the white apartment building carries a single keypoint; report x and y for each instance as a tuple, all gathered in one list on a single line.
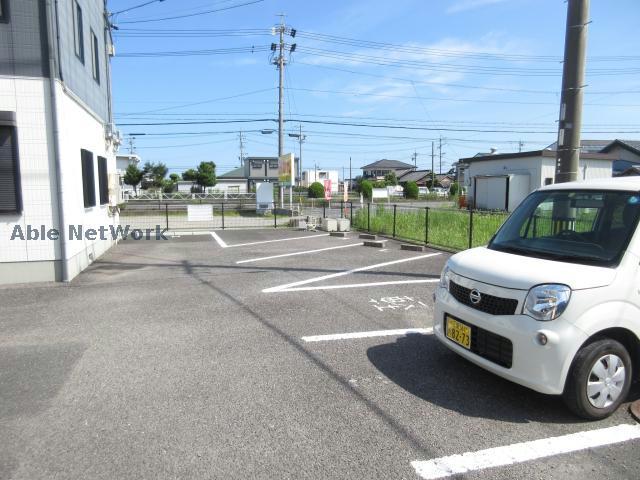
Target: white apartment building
[(311, 176), (57, 140)]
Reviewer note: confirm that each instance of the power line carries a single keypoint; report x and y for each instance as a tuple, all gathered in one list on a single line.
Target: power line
[(206, 12), (353, 124), (135, 7)]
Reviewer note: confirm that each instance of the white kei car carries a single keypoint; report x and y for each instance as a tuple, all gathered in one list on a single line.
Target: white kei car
[(553, 302)]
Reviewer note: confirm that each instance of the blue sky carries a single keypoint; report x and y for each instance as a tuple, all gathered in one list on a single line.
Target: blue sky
[(478, 73)]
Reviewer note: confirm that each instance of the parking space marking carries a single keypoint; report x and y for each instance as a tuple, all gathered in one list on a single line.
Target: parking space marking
[(359, 285), (298, 253), (292, 287), (223, 244), (375, 333), (220, 241), (524, 452)]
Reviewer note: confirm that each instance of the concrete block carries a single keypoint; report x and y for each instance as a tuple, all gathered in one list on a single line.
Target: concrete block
[(344, 224), (367, 236), (329, 224), (375, 243), (413, 248), (338, 234)]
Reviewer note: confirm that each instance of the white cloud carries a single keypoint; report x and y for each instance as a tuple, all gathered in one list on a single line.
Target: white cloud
[(464, 5)]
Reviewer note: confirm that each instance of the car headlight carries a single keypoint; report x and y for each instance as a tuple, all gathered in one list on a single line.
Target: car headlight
[(444, 278), (547, 302)]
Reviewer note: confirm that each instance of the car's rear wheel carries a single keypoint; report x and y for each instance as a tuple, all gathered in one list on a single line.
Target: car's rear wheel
[(599, 379)]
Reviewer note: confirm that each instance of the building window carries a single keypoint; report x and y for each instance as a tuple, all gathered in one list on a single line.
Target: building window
[(78, 32), (88, 179), (273, 164), (548, 181), (95, 58), (10, 197), (103, 180), (4, 11)]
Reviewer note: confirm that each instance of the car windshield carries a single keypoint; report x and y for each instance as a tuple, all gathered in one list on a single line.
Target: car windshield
[(578, 226)]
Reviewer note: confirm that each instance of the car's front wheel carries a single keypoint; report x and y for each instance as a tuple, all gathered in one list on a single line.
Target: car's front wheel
[(599, 379)]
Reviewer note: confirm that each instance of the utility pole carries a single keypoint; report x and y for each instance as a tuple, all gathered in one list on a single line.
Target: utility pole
[(440, 154), (433, 172), (520, 145), (350, 177), (132, 145), (415, 159), (570, 123), (280, 63), (241, 137)]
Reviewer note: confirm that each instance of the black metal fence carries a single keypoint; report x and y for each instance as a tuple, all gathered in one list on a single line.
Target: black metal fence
[(450, 228), (205, 217)]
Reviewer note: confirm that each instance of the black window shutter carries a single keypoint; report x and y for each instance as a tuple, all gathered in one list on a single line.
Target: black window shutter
[(88, 179), (10, 198), (103, 180)]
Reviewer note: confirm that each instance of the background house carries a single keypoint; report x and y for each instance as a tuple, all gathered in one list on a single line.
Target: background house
[(377, 170), (422, 178), (57, 139), (234, 181), (502, 181)]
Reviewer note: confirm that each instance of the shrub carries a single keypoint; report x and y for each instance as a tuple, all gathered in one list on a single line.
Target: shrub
[(411, 190), (365, 188), (316, 190), (454, 189)]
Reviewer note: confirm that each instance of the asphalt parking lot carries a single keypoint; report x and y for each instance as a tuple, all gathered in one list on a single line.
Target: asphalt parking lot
[(267, 354)]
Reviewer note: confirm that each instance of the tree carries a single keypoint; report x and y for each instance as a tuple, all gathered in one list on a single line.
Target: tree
[(156, 172), (390, 179), (358, 184), (206, 175), (380, 184), (167, 186), (316, 190), (366, 188), (190, 175), (174, 177), (454, 189), (411, 190), (133, 176)]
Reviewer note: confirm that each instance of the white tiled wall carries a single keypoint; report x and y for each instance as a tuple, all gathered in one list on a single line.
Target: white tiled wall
[(26, 97), (78, 130)]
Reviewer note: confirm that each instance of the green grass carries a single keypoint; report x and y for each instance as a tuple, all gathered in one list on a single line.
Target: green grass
[(447, 228)]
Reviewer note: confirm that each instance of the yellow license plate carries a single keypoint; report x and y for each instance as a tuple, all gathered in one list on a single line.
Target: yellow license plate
[(458, 332)]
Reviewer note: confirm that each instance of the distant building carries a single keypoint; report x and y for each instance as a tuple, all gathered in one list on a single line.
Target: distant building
[(626, 153), (234, 181), (422, 178), (378, 170), (57, 138), (502, 181), (255, 170), (311, 176), (123, 160)]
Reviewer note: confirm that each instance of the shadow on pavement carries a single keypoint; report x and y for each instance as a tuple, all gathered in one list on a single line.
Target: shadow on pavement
[(32, 375), (425, 368)]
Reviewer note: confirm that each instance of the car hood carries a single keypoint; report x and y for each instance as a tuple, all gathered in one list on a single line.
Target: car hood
[(519, 272)]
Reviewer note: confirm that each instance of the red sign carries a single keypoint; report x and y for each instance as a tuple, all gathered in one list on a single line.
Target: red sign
[(327, 189)]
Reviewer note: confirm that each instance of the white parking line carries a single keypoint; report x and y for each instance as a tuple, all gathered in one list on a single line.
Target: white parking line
[(524, 452), (223, 244), (293, 286), (299, 253), (220, 241), (375, 333), (361, 285)]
